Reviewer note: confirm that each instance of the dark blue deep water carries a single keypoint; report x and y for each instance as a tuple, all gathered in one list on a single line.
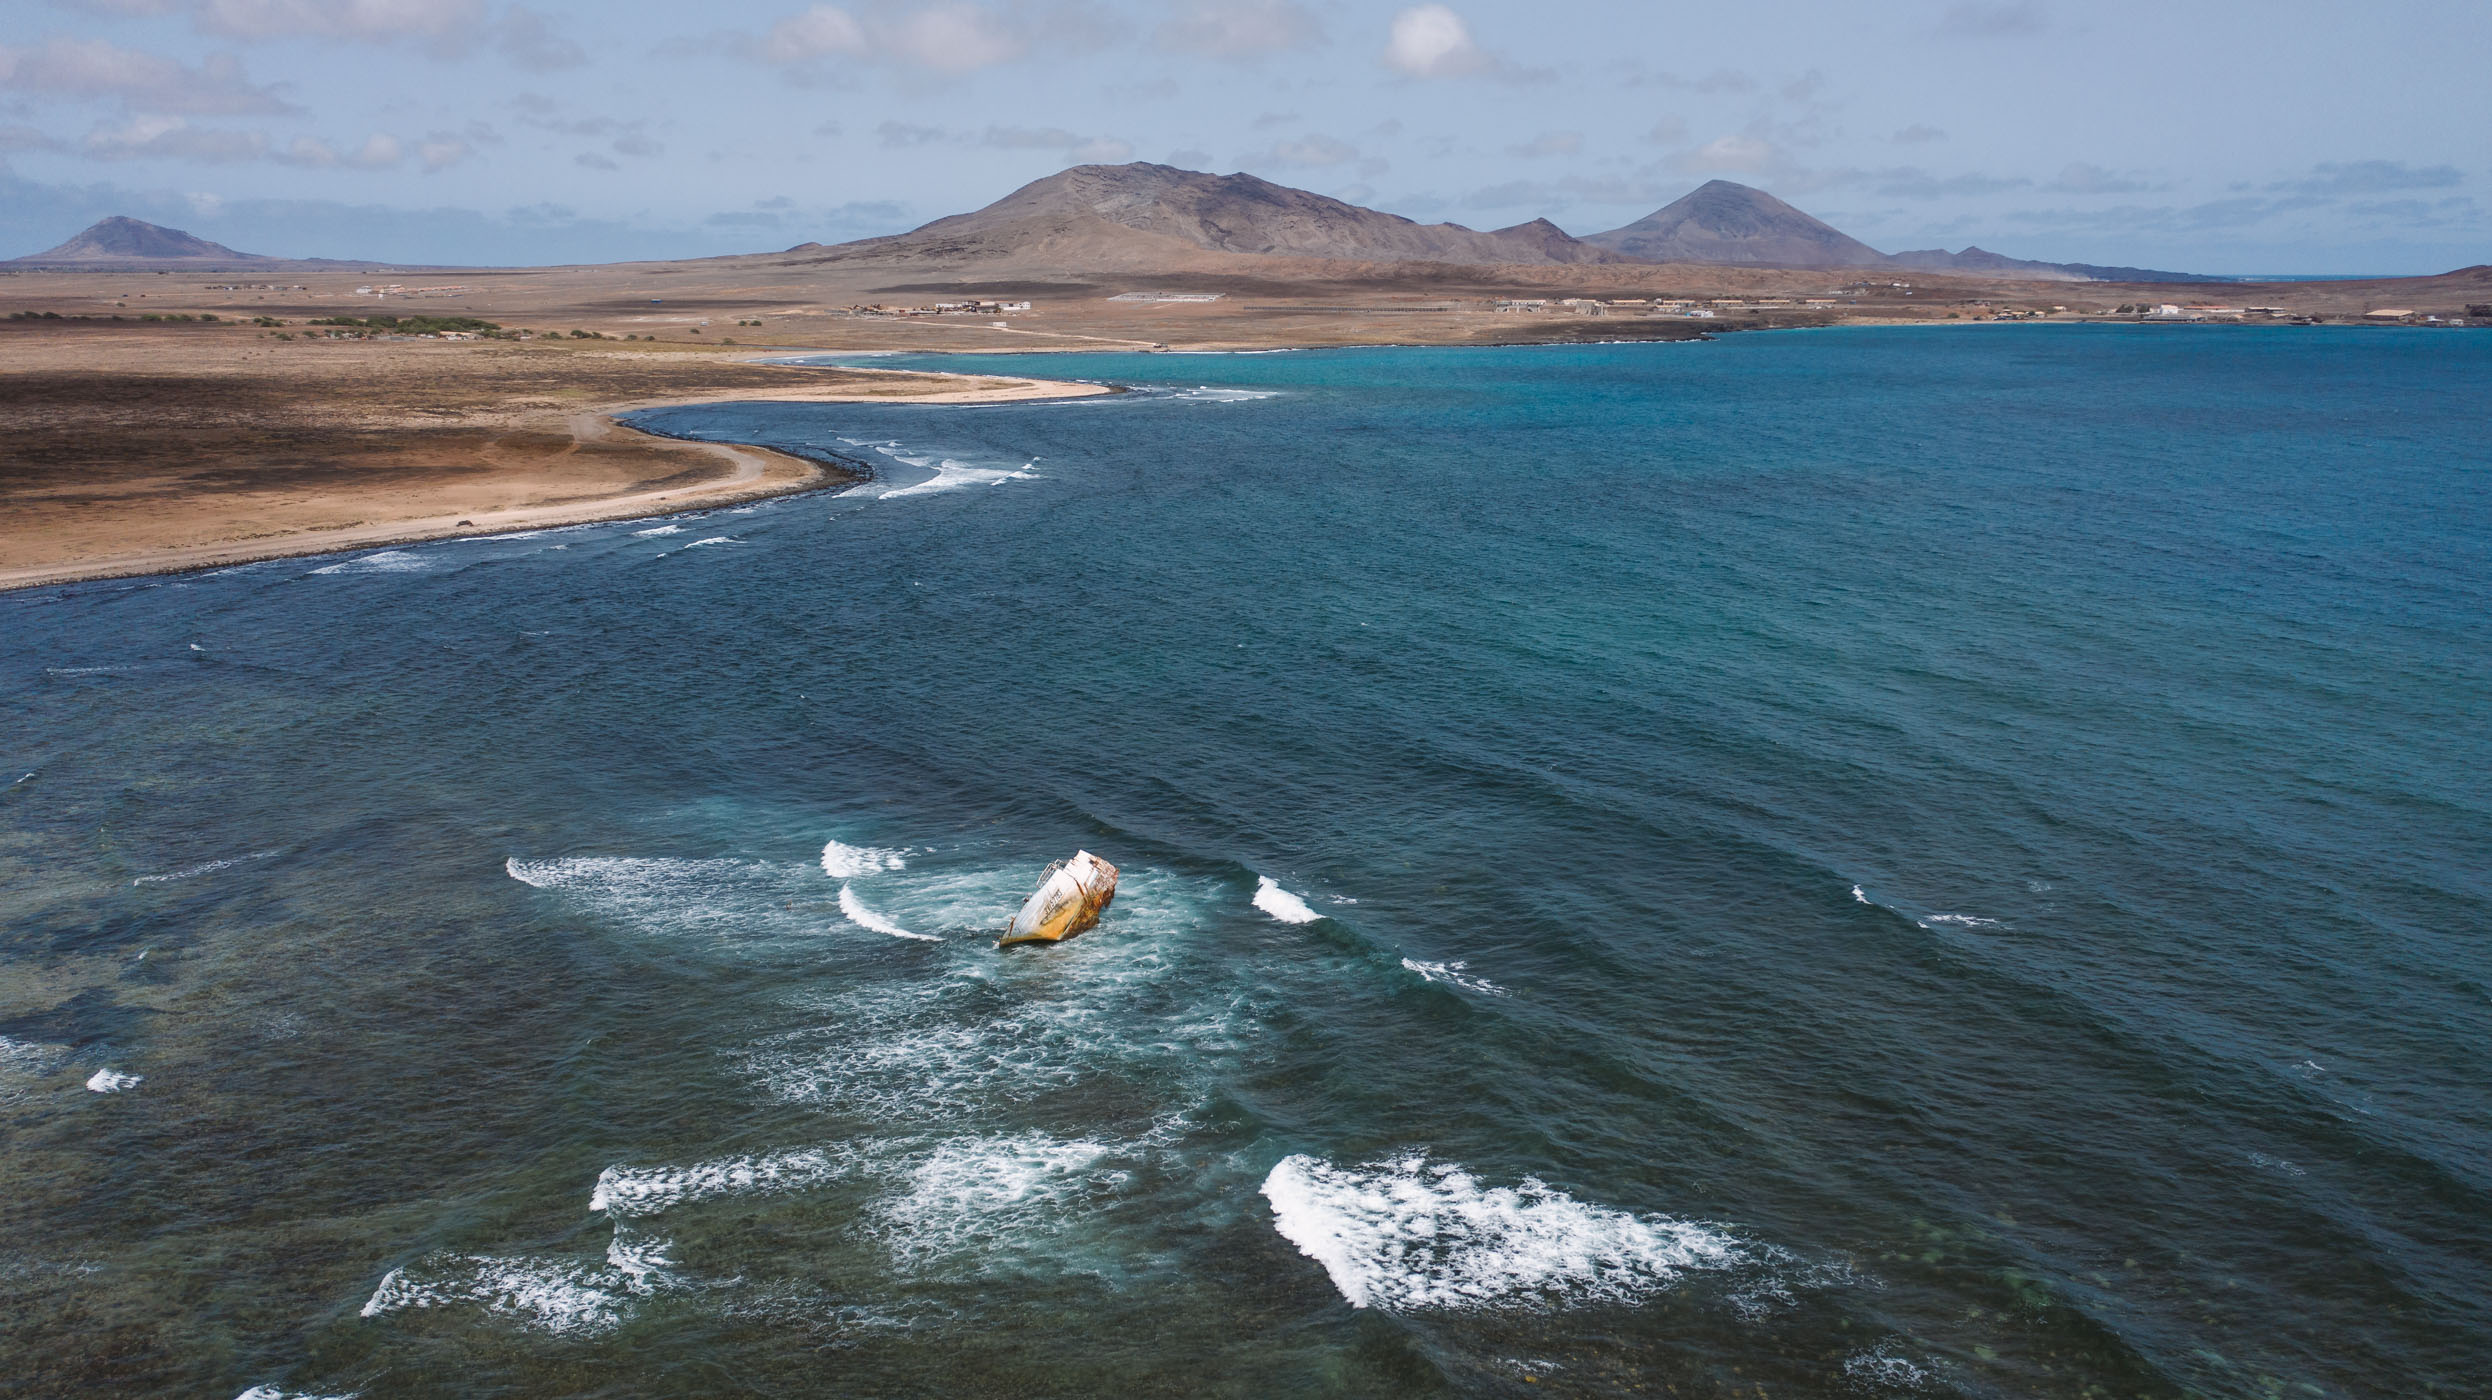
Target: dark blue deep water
[(1880, 862)]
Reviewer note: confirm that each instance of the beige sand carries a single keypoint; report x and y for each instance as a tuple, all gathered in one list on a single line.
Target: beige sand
[(127, 452)]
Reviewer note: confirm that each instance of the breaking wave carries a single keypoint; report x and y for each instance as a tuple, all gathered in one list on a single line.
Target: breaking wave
[(565, 1297), (1281, 904), (631, 1192), (1453, 972), (866, 918), (388, 561), (112, 1081), (1406, 1235), (841, 861)]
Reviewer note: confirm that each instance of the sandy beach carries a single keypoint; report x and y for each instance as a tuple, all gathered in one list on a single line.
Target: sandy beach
[(126, 451)]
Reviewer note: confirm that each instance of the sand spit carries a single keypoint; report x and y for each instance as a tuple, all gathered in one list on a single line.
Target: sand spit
[(126, 453)]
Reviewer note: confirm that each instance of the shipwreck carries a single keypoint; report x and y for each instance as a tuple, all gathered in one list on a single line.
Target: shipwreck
[(1070, 897)]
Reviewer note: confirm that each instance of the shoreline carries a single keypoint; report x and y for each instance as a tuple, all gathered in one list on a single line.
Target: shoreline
[(755, 473)]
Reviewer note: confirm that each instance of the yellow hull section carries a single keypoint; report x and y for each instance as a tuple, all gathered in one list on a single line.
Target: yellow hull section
[(1070, 898)]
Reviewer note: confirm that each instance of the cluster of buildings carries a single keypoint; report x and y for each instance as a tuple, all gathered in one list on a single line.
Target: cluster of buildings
[(943, 308), (1691, 308), (401, 289)]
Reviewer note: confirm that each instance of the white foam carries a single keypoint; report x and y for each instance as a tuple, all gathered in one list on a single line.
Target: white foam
[(714, 539), (203, 868), (631, 1192), (641, 1259), (112, 1081), (1207, 394), (27, 1057), (866, 918), (270, 1392), (718, 898), (561, 1296), (967, 1033), (22, 1061), (86, 670), (951, 474), (1281, 904), (1454, 973), (842, 861), (388, 561), (1856, 894), (977, 1195), (659, 530), (1407, 1235), (1881, 1369), (1962, 921)]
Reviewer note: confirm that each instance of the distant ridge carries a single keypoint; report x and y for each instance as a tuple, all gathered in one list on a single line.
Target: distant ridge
[(120, 239), (1723, 222), (1125, 214), (1981, 260)]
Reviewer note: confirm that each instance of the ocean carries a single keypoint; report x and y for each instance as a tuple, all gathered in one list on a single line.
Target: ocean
[(1888, 862)]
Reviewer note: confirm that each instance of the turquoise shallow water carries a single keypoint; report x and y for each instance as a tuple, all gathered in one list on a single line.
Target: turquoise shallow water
[(1916, 862)]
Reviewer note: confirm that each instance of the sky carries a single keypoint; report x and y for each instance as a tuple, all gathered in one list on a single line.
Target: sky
[(2221, 136)]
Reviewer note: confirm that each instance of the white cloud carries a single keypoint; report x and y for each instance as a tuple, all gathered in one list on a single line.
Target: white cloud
[(172, 138), (955, 39), (1242, 29), (946, 38), (1916, 134), (381, 151), (1431, 41), (819, 32), (529, 40), (92, 68), (897, 135), (375, 21), (128, 7), (441, 150)]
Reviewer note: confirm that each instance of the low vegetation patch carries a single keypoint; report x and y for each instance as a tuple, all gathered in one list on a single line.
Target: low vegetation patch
[(410, 325)]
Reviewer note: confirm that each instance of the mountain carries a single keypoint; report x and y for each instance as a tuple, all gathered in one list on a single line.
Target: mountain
[(1093, 215), (1983, 261), (125, 240), (1723, 222)]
